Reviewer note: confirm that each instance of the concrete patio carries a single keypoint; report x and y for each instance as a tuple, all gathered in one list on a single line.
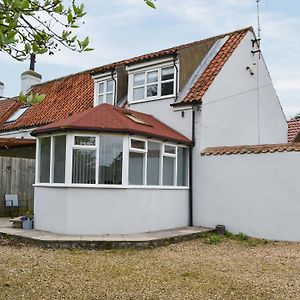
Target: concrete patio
[(139, 240)]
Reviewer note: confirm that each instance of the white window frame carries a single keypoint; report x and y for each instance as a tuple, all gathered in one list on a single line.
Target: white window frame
[(17, 114), (70, 145), (145, 70), (104, 78), (52, 158), (86, 147), (138, 150)]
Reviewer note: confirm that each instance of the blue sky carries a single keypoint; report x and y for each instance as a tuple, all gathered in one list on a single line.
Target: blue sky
[(122, 29)]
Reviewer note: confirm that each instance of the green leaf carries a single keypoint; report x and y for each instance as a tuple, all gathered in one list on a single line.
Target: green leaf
[(151, 4)]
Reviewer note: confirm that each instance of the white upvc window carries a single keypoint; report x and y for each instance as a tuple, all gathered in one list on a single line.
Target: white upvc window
[(152, 83), (105, 89), (14, 117), (110, 159), (106, 92), (154, 163)]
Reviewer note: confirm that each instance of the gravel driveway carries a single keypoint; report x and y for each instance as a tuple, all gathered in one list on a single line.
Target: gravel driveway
[(230, 269)]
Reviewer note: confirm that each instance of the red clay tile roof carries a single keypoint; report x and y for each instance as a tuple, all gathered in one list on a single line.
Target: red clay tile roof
[(74, 93), (293, 129), (13, 142), (108, 118), (205, 80), (64, 97), (251, 149), (7, 108)]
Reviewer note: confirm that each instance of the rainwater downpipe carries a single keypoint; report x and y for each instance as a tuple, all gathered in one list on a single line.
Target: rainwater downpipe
[(176, 79), (115, 85), (191, 170)]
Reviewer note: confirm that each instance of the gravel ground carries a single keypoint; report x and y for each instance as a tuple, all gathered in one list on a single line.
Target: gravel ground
[(230, 269)]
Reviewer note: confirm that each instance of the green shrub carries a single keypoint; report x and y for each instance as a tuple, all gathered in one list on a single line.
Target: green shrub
[(214, 239)]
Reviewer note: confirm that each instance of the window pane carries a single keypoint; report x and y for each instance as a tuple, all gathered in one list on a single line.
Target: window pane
[(137, 144), (170, 149), (152, 90), (110, 86), (152, 76), (84, 166), (168, 171), (182, 166), (138, 93), (136, 168), (167, 73), (139, 79), (101, 88), (110, 160), (153, 159), (100, 99), (109, 98), (167, 88), (59, 158), (45, 148), (85, 140)]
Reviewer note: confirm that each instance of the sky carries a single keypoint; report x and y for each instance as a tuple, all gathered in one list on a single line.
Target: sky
[(120, 29)]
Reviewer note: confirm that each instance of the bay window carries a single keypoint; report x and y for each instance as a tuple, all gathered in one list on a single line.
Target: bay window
[(111, 159)]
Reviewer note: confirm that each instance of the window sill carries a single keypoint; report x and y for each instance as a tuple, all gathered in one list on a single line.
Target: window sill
[(151, 99), (100, 186)]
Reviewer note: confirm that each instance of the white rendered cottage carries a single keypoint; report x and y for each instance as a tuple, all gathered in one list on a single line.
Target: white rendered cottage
[(219, 155)]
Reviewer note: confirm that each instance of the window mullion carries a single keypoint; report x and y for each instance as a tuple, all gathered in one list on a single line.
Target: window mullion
[(175, 167), (98, 141), (161, 163), (51, 160)]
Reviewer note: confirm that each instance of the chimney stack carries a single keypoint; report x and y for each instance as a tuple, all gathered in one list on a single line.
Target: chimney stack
[(30, 77), (1, 89)]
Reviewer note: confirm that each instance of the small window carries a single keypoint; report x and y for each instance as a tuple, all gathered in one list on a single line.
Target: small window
[(85, 140), (170, 149), (105, 92), (137, 144), (17, 114)]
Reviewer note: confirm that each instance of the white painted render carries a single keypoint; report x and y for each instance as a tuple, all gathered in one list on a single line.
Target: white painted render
[(234, 111), (28, 80), (95, 211), (257, 194), (23, 133)]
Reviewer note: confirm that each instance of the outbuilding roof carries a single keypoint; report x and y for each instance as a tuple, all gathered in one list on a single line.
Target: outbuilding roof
[(251, 149), (108, 118)]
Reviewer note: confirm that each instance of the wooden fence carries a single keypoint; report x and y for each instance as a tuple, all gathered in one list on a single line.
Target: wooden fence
[(17, 176)]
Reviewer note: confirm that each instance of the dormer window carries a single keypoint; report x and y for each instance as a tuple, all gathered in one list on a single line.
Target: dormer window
[(105, 89), (152, 81), (106, 92), (17, 114), (153, 84)]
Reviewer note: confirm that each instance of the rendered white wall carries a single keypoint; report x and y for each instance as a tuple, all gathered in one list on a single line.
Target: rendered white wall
[(234, 112), (95, 211), (162, 110), (257, 194)]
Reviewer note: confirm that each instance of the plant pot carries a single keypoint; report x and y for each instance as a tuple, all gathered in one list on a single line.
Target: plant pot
[(27, 224)]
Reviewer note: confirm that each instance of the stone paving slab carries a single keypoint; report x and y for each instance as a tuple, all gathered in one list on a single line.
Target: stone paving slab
[(139, 240)]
